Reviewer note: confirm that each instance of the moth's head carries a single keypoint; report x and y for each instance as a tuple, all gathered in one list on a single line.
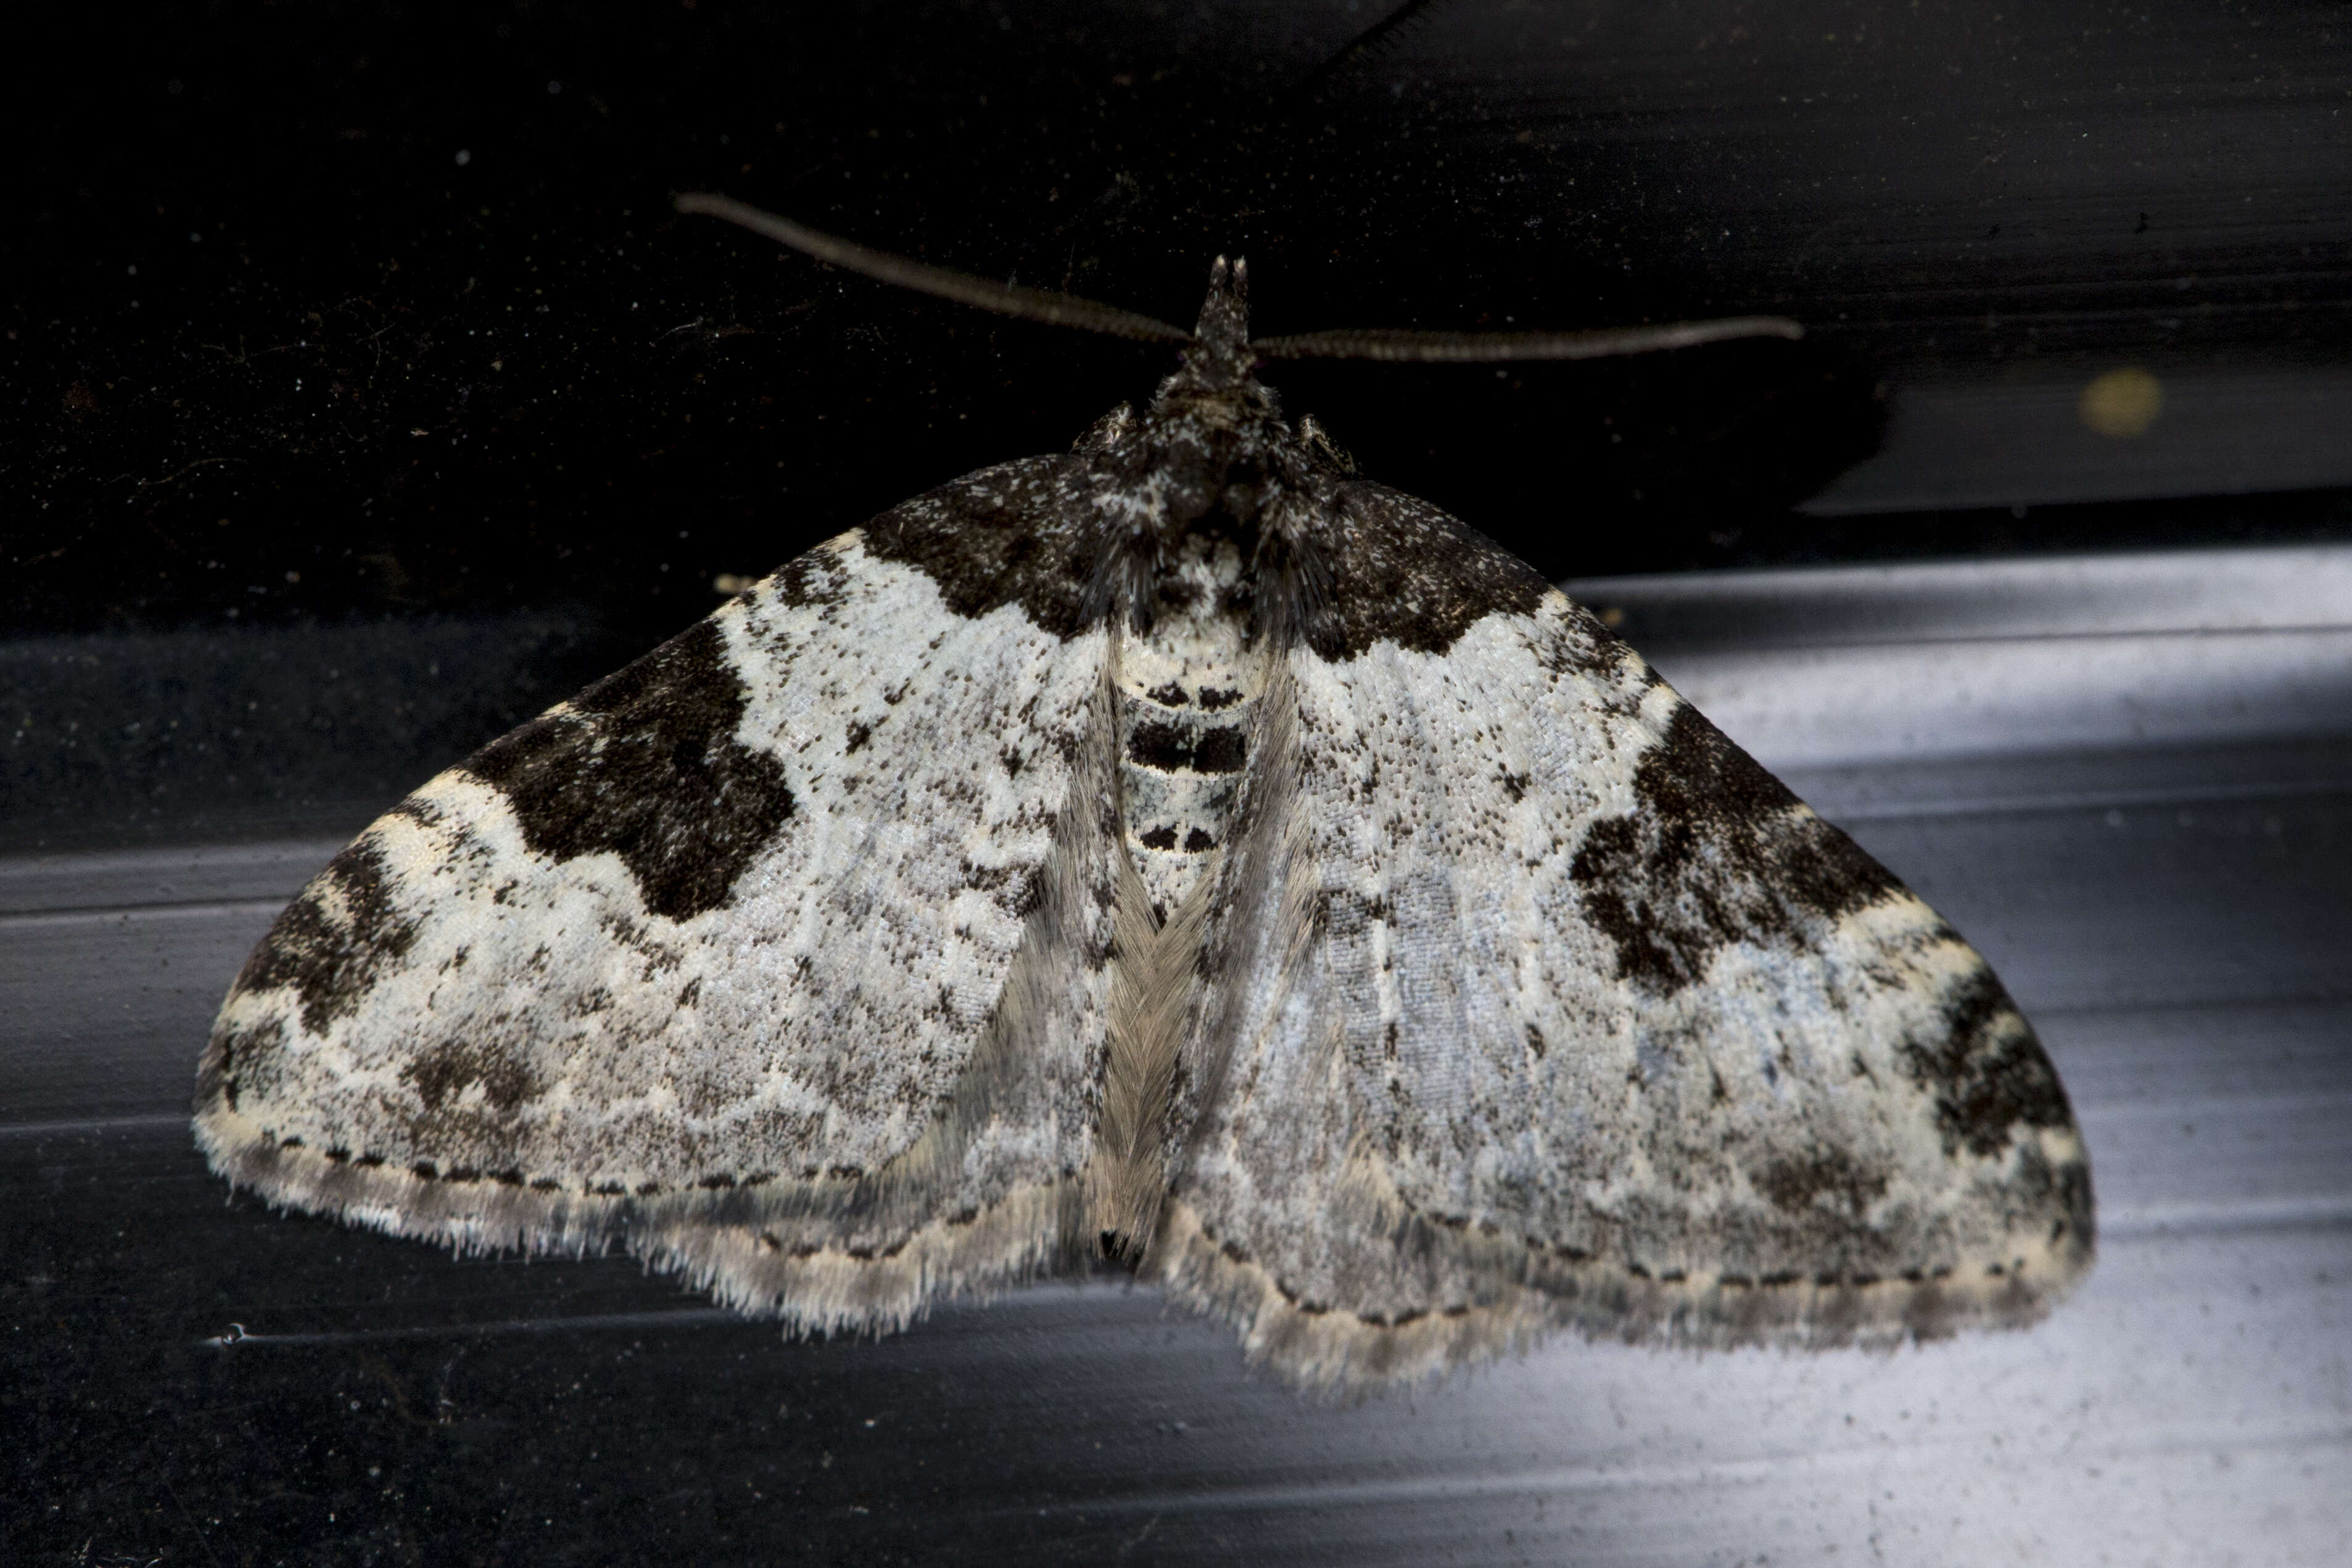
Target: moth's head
[(1220, 355), (1215, 395)]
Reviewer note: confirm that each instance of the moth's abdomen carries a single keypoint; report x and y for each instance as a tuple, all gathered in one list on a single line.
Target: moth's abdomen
[(1188, 689), (1188, 695)]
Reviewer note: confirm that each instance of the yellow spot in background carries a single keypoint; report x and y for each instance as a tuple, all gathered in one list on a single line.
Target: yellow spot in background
[(2123, 401)]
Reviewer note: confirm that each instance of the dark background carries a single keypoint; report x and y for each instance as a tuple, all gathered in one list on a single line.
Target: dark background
[(363, 397), (327, 311)]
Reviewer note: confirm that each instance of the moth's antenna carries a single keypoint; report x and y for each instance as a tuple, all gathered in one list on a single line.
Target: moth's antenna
[(1490, 348), (1004, 298), (1374, 344)]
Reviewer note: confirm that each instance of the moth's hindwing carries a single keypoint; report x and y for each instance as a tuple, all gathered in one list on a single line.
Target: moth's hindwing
[(730, 959), (1531, 1001)]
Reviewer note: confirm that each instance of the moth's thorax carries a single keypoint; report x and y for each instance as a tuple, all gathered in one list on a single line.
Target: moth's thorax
[(1210, 448), (1187, 680), (1204, 453)]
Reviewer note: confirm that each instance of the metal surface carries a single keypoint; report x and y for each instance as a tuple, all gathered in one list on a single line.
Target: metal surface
[(2129, 780), (2026, 441)]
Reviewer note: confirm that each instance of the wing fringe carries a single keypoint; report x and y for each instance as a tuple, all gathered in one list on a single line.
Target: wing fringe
[(1336, 1353), (716, 1242)]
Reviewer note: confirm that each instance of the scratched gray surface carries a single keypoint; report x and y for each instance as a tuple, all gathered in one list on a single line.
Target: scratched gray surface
[(2129, 780)]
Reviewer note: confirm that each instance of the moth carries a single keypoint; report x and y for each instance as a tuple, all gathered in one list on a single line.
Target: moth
[(1180, 851)]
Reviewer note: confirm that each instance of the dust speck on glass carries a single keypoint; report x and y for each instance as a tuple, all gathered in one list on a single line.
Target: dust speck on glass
[(1180, 851)]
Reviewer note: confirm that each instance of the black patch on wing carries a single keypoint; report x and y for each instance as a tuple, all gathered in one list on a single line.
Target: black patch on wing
[(1710, 856), (1015, 535), (233, 1051), (1395, 569), (445, 1072), (334, 940), (813, 578), (1794, 1185), (645, 763), (1986, 1069)]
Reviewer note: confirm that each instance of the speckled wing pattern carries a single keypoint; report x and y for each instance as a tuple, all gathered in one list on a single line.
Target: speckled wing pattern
[(1533, 1001), (778, 957), (1179, 852)]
